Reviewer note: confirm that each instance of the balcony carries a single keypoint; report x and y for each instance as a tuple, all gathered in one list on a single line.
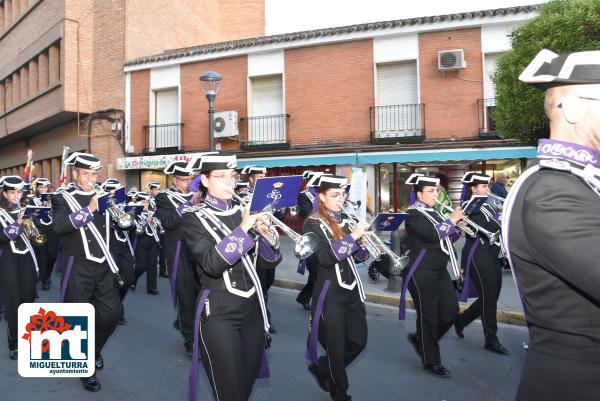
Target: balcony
[(264, 132), (396, 124), (162, 138), (485, 116)]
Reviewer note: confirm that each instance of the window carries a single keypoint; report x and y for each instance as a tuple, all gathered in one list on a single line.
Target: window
[(164, 131), (267, 121)]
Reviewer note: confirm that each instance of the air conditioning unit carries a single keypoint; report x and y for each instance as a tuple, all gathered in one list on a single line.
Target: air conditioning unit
[(226, 124), (451, 60)]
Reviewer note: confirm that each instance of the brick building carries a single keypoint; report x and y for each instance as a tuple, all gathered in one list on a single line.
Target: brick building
[(382, 99), (61, 68)]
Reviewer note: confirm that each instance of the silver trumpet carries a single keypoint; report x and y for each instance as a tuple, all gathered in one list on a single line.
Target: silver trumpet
[(118, 215), (304, 244), (371, 241), (474, 227), (498, 201), (149, 221)]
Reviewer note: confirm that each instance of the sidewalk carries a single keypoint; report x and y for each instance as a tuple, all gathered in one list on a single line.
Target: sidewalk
[(510, 309)]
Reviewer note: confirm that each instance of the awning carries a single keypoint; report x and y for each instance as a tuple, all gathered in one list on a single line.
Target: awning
[(401, 156)]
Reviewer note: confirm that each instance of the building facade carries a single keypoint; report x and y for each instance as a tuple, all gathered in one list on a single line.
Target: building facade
[(383, 99), (61, 76)]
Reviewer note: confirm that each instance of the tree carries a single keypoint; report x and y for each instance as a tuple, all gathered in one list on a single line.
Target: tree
[(563, 26)]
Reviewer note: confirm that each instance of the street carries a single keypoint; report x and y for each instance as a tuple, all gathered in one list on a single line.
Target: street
[(145, 360)]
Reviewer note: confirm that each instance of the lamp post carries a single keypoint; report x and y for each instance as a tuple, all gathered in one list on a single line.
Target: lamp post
[(210, 81)]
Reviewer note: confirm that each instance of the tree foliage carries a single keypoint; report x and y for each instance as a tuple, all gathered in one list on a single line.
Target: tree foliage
[(563, 26)]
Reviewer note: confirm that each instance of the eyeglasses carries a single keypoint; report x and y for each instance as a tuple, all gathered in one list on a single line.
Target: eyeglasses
[(560, 105), (338, 196), (225, 176)]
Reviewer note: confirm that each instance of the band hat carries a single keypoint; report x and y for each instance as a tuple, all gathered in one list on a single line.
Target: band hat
[(110, 184), (242, 184), (131, 194), (41, 181), (332, 181), (142, 196), (194, 163), (254, 170), (153, 185), (475, 178), (307, 174), (177, 168), (313, 179), (83, 160), (423, 180), (217, 161), (11, 182), (549, 69)]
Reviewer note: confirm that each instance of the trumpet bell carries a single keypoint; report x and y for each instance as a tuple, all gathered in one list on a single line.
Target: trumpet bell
[(400, 263), (40, 240), (125, 220), (305, 245)]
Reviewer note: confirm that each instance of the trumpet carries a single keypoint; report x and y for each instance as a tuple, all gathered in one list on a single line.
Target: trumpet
[(118, 215), (304, 244), (371, 241), (31, 231), (150, 221), (474, 227)]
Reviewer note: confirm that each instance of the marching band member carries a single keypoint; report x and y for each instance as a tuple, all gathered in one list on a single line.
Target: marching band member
[(45, 254), (184, 286), (266, 275), (17, 258), (430, 246), (153, 190), (481, 265), (90, 273), (550, 225), (307, 206), (338, 317), (147, 246), (231, 318), (123, 252)]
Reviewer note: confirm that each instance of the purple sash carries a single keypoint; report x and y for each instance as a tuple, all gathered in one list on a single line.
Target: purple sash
[(468, 286), (301, 266), (311, 350), (402, 305), (67, 273), (173, 275), (193, 376)]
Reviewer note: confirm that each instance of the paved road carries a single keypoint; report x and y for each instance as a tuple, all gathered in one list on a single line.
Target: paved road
[(145, 361)]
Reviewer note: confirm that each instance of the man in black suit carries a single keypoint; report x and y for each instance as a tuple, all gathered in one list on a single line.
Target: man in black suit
[(551, 227)]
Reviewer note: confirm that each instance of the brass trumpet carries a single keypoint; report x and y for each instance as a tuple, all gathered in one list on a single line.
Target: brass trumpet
[(475, 228), (31, 231), (371, 241), (304, 244)]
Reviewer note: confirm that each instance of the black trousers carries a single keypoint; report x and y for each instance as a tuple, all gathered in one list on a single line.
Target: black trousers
[(267, 278), (186, 287), (94, 283), (343, 334), (437, 308), (550, 378), (17, 281), (231, 344), (486, 274), (146, 254), (307, 291), (46, 256), (162, 264), (126, 263)]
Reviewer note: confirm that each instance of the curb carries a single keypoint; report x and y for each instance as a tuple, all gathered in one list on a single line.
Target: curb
[(509, 317)]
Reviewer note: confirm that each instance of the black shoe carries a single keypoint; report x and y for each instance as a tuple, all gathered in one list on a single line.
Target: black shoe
[(497, 348), (45, 286), (99, 362), (437, 370), (176, 325), (153, 292), (132, 287), (122, 321), (91, 383), (13, 354), (323, 382), (189, 349), (459, 329), (272, 330), (412, 339)]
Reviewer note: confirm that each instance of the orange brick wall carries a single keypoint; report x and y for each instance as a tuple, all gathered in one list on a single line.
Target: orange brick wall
[(242, 19), (140, 107), (450, 102), (328, 92), (194, 106)]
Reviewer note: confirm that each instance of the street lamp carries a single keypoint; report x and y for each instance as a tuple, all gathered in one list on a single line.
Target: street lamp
[(210, 81)]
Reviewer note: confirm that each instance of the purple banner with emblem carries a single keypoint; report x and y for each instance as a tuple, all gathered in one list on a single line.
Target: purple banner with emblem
[(474, 204), (387, 221), (276, 192), (117, 196), (135, 210), (37, 211)]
